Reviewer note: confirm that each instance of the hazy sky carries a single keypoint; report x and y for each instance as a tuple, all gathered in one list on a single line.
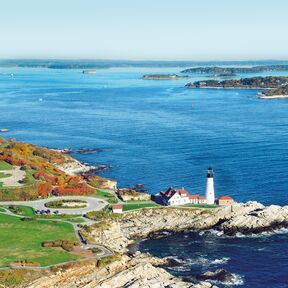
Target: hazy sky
[(144, 29)]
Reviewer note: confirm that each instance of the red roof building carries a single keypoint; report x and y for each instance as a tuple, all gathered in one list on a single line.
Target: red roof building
[(225, 200), (117, 208), (180, 197)]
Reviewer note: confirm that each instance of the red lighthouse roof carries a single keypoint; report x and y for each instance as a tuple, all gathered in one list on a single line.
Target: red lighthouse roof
[(224, 198)]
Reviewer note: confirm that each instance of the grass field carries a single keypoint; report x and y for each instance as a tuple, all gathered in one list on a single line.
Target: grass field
[(109, 197), (132, 206), (2, 175), (21, 240), (29, 178), (5, 166)]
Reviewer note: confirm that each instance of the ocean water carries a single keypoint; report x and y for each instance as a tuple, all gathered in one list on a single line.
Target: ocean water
[(257, 262), (160, 134), (155, 133)]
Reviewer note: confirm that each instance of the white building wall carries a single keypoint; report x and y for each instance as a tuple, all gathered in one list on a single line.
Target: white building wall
[(210, 194)]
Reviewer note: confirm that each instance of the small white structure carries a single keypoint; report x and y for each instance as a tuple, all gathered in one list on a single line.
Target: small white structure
[(210, 194), (175, 197), (117, 208)]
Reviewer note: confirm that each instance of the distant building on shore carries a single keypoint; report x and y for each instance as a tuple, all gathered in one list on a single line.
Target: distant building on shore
[(176, 197), (117, 208)]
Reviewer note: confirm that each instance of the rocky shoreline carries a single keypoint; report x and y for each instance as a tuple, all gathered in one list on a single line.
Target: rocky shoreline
[(74, 167), (263, 96), (164, 77), (140, 270), (143, 270), (245, 218)]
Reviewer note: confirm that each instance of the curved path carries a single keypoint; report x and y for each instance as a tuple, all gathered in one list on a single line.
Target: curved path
[(93, 204)]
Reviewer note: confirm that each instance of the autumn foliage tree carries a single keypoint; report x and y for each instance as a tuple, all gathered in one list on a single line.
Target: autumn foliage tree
[(44, 189)]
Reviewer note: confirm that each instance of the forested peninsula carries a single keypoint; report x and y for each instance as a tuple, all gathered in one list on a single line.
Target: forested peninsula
[(234, 70)]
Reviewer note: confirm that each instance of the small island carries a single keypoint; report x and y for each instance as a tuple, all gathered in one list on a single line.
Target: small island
[(164, 77), (270, 82), (281, 92), (221, 70)]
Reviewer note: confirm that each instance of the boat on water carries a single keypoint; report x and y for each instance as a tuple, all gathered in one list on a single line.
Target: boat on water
[(89, 71), (3, 130)]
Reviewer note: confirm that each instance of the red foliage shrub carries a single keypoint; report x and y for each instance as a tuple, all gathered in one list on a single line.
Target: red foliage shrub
[(79, 189), (44, 176), (44, 189)]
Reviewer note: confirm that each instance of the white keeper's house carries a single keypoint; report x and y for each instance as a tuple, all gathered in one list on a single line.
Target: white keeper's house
[(174, 197)]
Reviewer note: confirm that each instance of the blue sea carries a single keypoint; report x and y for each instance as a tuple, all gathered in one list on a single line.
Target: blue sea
[(160, 134)]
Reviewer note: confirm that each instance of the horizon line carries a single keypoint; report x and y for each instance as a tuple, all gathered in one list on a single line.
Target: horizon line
[(142, 60)]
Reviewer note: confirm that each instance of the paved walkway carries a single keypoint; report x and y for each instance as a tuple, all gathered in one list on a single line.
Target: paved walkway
[(14, 180), (93, 204)]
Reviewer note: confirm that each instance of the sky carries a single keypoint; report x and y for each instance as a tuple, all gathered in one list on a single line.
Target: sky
[(144, 29)]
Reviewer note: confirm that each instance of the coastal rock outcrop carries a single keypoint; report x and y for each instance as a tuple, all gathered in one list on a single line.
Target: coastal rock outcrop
[(245, 218), (120, 232), (73, 167), (220, 275), (138, 271), (132, 195), (259, 220)]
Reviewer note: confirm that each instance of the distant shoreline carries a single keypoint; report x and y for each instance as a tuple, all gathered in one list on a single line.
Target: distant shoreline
[(263, 96), (228, 88)]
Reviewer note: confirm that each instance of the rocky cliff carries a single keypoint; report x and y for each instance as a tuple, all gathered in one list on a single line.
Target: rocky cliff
[(132, 195), (245, 218), (142, 270), (139, 271)]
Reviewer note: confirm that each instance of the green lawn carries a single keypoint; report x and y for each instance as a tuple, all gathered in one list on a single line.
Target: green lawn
[(5, 166), (29, 178), (128, 207), (22, 240), (103, 194), (109, 197), (2, 209), (76, 220), (22, 210), (4, 175)]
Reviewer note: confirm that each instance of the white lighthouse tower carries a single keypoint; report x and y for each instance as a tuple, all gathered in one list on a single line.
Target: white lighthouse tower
[(210, 194)]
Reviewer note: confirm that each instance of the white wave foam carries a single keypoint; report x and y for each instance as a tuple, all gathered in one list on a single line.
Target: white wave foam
[(179, 268), (240, 235), (262, 234), (200, 261), (238, 280), (223, 260), (177, 259), (211, 231)]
